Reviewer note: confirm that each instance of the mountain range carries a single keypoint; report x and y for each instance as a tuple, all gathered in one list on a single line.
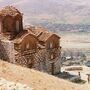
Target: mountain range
[(52, 11)]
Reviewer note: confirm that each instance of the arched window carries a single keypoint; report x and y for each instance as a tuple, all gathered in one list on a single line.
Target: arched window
[(51, 45), (52, 57), (17, 26), (27, 46)]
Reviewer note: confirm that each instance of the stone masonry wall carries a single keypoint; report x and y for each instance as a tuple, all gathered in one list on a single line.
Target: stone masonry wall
[(7, 51), (43, 62), (24, 60), (39, 60), (3, 54), (56, 61)]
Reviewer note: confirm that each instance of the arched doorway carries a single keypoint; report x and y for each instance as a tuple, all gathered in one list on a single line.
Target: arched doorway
[(17, 26)]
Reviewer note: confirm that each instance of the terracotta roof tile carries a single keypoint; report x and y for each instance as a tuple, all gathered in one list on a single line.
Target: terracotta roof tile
[(45, 36), (42, 34), (40, 46), (35, 30), (21, 35)]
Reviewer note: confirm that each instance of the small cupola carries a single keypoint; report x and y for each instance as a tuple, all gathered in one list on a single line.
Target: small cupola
[(10, 21)]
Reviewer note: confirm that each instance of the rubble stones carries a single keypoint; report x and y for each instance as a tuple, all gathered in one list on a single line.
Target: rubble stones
[(7, 85)]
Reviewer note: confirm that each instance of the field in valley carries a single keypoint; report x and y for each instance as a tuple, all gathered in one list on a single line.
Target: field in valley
[(79, 41)]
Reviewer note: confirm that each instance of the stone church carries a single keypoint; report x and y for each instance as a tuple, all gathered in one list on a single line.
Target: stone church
[(32, 47)]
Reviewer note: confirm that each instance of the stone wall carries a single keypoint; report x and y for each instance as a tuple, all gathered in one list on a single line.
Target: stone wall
[(24, 60), (3, 54), (39, 60), (43, 61), (7, 51)]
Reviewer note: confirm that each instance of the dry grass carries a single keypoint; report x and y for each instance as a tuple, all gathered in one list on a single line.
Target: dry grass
[(34, 79)]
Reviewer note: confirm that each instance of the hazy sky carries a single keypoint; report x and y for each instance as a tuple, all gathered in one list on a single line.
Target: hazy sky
[(61, 11)]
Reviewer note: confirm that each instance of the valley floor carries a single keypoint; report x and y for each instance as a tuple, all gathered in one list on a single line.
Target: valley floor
[(76, 41)]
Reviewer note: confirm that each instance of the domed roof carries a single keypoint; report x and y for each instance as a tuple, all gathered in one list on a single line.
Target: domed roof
[(9, 10)]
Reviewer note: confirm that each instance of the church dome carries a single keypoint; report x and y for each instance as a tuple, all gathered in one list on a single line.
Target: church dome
[(9, 10)]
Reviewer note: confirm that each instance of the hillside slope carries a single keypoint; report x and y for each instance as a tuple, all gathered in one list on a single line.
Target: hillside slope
[(34, 79)]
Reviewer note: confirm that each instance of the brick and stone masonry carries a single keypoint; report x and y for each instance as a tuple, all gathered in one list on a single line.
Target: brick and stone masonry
[(34, 47)]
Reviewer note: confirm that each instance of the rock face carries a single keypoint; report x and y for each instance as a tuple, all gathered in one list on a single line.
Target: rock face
[(7, 85)]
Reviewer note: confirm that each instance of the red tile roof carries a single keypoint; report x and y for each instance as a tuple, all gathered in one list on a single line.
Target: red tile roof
[(22, 35), (42, 34)]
